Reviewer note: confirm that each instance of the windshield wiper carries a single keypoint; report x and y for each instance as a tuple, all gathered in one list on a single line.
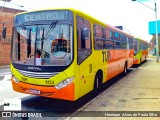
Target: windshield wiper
[(22, 26), (50, 28)]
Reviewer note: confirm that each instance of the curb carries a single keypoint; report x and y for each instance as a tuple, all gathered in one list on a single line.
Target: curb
[(5, 66), (151, 56)]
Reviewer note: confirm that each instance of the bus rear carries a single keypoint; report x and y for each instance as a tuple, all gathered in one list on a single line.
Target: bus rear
[(42, 54)]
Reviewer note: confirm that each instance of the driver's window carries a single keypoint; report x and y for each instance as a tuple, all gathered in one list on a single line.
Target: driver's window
[(84, 46)]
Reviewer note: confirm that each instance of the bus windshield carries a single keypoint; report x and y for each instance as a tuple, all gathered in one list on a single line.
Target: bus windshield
[(44, 44)]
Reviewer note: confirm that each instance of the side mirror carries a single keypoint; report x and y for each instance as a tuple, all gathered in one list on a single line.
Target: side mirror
[(4, 32), (84, 33)]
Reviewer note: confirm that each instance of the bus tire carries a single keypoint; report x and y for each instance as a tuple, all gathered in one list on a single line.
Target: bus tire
[(145, 59), (97, 82), (140, 61), (125, 69)]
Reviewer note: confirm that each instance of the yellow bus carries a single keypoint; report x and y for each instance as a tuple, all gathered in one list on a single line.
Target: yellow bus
[(140, 51), (65, 53)]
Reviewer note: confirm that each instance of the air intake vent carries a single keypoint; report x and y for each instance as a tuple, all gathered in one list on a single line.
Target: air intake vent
[(39, 75)]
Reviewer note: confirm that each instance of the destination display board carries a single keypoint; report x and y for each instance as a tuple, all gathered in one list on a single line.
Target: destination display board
[(42, 15)]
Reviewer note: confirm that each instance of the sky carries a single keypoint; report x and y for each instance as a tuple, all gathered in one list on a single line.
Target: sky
[(133, 16)]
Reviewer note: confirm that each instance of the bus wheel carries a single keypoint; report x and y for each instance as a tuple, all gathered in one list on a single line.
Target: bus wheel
[(140, 61), (145, 58), (125, 69), (97, 82)]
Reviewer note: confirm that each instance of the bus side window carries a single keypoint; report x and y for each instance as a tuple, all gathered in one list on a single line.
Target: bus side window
[(99, 38), (84, 46), (83, 39), (111, 35)]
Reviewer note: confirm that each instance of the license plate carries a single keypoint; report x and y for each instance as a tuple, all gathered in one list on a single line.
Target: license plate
[(33, 91)]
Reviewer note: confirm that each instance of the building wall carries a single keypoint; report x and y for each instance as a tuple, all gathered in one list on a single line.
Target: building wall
[(153, 42), (5, 45)]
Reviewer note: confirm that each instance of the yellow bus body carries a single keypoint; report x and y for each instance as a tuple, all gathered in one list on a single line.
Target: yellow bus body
[(84, 74), (142, 54)]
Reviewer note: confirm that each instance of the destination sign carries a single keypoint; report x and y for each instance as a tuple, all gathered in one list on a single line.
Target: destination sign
[(42, 15)]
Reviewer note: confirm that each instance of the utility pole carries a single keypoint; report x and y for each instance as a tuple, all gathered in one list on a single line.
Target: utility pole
[(156, 27), (4, 4)]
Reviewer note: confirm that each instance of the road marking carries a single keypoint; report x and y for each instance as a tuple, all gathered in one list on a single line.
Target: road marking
[(5, 73), (7, 77), (1, 78), (132, 69)]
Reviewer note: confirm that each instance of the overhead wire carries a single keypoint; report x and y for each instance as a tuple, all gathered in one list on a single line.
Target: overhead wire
[(15, 4)]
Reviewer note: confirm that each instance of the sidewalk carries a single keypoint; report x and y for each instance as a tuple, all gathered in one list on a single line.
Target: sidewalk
[(151, 56), (138, 91), (4, 66)]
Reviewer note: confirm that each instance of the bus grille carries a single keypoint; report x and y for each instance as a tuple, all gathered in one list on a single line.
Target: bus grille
[(39, 75)]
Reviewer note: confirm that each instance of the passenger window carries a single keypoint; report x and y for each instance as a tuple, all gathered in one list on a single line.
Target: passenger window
[(116, 34), (98, 37), (108, 43)]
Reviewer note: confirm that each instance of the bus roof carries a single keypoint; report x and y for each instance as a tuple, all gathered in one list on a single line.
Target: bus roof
[(118, 30), (141, 40), (86, 16)]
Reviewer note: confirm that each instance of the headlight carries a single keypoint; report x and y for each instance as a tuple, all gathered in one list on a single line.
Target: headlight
[(15, 79), (64, 83)]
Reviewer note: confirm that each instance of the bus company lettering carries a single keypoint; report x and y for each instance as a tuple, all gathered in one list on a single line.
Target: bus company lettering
[(104, 56), (34, 68)]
